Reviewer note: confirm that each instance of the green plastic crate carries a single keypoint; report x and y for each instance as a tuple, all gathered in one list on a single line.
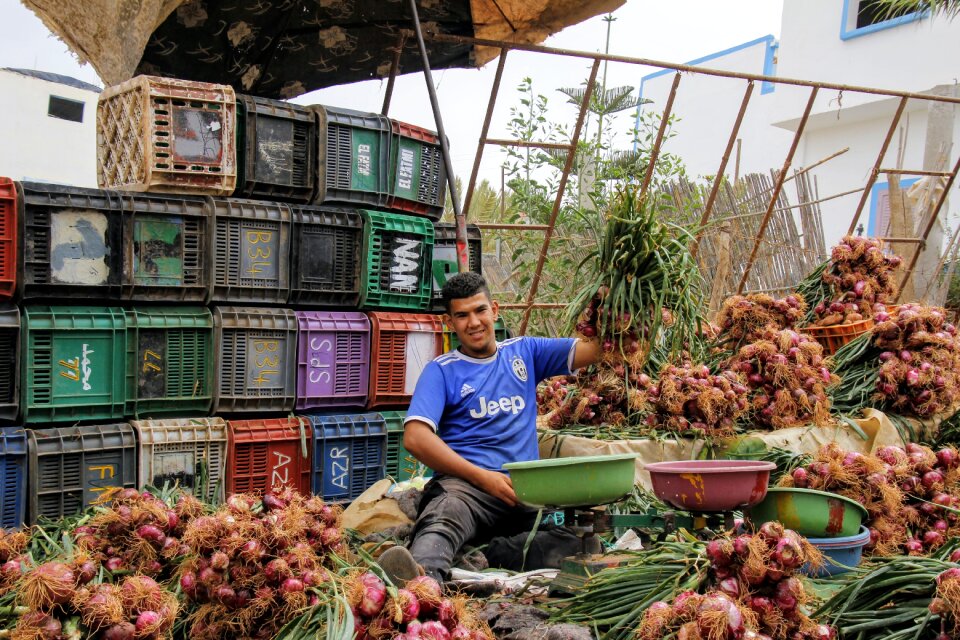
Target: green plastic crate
[(401, 465), (451, 342), (73, 363), (169, 361), (397, 254), (445, 257)]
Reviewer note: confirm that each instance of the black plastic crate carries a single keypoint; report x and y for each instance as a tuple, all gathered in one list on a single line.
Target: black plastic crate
[(72, 242), (325, 260), (353, 161), (165, 245), (71, 467), (9, 362), (276, 150), (445, 256)]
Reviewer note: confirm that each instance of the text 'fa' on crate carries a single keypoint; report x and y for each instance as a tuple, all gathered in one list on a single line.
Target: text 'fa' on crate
[(256, 351), (268, 454)]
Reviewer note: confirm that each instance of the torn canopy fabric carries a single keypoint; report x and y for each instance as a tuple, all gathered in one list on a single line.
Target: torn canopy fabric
[(283, 48)]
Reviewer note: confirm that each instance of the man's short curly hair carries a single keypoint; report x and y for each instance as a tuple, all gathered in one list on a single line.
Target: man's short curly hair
[(463, 285)]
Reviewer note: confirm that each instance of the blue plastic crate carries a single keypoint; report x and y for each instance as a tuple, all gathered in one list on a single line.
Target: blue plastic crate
[(350, 454), (13, 474)]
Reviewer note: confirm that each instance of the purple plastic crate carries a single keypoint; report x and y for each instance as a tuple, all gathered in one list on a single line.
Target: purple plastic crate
[(333, 359)]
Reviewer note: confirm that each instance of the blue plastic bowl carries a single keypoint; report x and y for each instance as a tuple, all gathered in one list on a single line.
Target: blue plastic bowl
[(840, 554)]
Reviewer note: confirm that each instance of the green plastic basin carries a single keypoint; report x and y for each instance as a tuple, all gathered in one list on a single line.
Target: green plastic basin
[(814, 514), (583, 481)]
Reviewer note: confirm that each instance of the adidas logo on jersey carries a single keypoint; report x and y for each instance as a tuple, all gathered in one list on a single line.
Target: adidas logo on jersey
[(466, 390), (513, 404)]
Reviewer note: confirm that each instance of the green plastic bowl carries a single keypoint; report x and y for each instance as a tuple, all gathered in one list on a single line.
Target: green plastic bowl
[(583, 481), (813, 514)]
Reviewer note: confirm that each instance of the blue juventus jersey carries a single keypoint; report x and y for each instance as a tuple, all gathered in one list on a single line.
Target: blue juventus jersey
[(485, 409)]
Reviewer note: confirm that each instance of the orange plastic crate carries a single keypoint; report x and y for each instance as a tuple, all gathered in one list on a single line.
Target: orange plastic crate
[(167, 135), (835, 336), (8, 238), (401, 346), (266, 455)]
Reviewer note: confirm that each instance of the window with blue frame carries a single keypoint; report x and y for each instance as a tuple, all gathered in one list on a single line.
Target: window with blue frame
[(862, 17), (878, 225)]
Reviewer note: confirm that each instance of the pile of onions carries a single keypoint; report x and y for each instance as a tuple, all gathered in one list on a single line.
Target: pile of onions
[(13, 544), (860, 275), (929, 481), (621, 336), (866, 479), (691, 616), (748, 318), (252, 564), (946, 603), (139, 532), (417, 611), (759, 571), (920, 360), (689, 399), (788, 375), (603, 394)]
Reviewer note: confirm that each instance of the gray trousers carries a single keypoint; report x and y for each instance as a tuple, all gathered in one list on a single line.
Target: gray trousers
[(453, 512)]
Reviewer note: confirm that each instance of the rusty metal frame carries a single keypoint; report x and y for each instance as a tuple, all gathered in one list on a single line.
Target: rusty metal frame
[(782, 177)]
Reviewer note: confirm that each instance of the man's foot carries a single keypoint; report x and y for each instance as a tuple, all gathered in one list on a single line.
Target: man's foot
[(398, 565)]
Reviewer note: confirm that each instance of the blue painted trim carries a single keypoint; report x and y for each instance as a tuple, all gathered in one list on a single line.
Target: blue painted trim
[(768, 66), (848, 34), (874, 199)]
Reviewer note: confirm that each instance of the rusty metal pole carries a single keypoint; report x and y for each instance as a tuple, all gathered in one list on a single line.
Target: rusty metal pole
[(777, 189), (664, 123), (481, 143), (879, 163), (561, 187), (715, 189), (932, 221), (394, 68), (463, 258)]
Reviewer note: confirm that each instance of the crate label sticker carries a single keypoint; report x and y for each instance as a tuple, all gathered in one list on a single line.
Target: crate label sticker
[(259, 251), (408, 169), (444, 264), (336, 469), (275, 148), (158, 251), (282, 470), (151, 364), (78, 247), (83, 369), (318, 258), (265, 364), (174, 468), (421, 349), (321, 358), (405, 258), (197, 136), (366, 160), (101, 472)]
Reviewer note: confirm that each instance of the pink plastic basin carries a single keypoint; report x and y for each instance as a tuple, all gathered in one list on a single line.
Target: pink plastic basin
[(710, 485)]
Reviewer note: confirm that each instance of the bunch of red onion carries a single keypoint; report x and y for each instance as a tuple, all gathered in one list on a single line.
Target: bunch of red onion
[(929, 481), (946, 602), (860, 274), (920, 361), (417, 611), (689, 399), (692, 616), (604, 394), (759, 571), (867, 479), (13, 544), (139, 532), (253, 564), (748, 318), (621, 335), (788, 375)]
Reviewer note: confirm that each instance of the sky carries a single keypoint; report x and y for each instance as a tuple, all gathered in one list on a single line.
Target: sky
[(675, 31)]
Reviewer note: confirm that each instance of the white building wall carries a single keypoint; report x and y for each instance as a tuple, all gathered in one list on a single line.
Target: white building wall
[(36, 146)]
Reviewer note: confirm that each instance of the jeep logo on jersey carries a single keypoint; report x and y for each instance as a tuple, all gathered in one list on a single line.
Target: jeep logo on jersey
[(513, 404), (405, 269), (519, 368)]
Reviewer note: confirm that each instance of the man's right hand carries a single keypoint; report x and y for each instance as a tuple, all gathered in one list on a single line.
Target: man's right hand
[(499, 485)]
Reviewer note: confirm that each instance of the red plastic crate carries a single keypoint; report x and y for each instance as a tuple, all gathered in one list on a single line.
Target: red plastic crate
[(268, 454), (401, 346), (8, 238)]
